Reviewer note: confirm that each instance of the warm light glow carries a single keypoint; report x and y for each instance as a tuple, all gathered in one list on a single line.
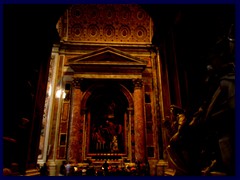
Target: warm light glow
[(63, 94), (50, 90), (58, 93)]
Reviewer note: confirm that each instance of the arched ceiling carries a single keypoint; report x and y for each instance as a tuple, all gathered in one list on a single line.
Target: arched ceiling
[(106, 23)]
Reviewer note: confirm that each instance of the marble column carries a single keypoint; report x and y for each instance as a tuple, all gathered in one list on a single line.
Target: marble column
[(74, 134), (139, 121)]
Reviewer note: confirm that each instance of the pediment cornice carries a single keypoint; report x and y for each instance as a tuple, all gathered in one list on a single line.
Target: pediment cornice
[(106, 59)]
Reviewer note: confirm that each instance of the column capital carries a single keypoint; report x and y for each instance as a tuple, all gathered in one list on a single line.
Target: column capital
[(138, 83), (76, 83)]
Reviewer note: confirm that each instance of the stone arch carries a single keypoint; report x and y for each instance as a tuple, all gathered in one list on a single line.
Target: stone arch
[(127, 94), (96, 104)]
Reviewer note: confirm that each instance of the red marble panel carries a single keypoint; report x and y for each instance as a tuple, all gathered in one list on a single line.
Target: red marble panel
[(65, 112), (149, 139), (63, 128), (62, 152)]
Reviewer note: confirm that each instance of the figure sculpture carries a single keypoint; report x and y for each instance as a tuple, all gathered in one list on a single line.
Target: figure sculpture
[(205, 141)]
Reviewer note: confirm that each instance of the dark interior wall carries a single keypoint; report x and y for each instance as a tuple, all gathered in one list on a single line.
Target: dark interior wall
[(201, 33), (29, 32), (28, 37), (188, 35)]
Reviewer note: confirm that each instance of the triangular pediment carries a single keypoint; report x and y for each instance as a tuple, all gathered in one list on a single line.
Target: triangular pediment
[(106, 59)]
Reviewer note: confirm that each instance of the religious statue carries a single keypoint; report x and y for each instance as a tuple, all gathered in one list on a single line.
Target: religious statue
[(205, 142), (114, 144)]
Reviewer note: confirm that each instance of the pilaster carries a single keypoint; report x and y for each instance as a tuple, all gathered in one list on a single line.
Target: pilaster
[(139, 122), (74, 145)]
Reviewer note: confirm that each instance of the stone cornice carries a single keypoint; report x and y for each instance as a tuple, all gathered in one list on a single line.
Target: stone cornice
[(108, 60)]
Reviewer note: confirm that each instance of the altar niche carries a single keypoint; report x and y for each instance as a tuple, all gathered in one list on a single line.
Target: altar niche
[(107, 108)]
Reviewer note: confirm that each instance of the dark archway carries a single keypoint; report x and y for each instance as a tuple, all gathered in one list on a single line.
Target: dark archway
[(107, 103)]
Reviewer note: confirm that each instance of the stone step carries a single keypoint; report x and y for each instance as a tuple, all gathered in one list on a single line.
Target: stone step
[(169, 172)]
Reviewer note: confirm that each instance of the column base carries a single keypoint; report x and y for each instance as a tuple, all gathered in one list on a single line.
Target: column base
[(52, 168), (161, 167)]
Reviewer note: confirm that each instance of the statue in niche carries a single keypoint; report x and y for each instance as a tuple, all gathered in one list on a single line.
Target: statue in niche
[(114, 144)]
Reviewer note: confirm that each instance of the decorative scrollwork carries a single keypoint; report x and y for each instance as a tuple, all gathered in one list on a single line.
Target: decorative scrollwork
[(138, 83), (76, 83)]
